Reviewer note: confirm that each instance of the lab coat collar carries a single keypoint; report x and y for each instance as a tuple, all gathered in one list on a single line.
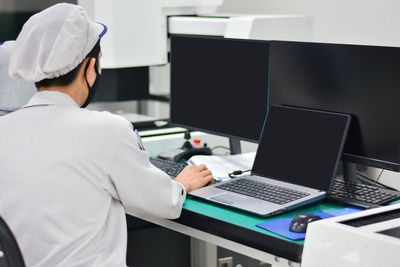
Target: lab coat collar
[(51, 98)]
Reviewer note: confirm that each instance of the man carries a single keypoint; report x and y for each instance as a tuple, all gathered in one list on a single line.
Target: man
[(68, 174)]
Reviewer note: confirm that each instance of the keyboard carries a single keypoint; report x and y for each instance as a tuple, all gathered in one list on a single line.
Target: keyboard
[(267, 192), (169, 167), (362, 195)]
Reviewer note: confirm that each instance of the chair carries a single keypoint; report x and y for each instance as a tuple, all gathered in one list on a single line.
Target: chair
[(10, 255)]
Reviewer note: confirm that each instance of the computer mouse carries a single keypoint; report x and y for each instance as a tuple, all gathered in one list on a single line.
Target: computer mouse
[(300, 222)]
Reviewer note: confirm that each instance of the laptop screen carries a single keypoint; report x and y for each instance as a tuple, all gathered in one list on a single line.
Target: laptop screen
[(301, 146)]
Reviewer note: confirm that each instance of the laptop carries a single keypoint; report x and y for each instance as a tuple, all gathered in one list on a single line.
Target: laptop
[(295, 164)]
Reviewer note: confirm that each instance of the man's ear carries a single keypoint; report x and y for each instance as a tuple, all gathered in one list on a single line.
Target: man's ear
[(91, 72)]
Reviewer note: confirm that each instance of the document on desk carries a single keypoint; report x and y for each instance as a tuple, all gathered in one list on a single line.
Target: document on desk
[(221, 165)]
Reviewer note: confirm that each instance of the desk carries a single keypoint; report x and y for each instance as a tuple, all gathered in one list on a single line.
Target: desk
[(231, 229), (228, 228), (236, 230), (224, 227)]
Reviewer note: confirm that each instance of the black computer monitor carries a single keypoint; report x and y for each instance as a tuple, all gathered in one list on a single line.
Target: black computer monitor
[(219, 85), (363, 81)]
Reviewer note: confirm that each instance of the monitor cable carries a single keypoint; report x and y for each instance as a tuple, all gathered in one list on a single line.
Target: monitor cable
[(368, 180)]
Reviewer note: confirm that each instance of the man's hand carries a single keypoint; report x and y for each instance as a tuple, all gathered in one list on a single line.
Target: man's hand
[(194, 177)]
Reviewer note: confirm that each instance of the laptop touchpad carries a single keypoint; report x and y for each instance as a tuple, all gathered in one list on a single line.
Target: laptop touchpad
[(228, 198)]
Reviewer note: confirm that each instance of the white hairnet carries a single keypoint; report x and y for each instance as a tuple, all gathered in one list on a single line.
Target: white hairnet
[(13, 93), (53, 42)]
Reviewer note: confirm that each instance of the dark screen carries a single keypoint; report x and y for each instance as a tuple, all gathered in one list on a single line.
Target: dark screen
[(300, 146), (123, 84), (363, 81), (219, 85)]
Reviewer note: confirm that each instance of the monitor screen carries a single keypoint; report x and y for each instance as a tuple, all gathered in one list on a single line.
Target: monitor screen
[(362, 81), (219, 85)]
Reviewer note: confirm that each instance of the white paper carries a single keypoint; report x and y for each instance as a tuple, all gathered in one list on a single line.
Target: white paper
[(221, 166)]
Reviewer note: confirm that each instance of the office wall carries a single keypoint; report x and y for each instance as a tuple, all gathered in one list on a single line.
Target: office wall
[(343, 21)]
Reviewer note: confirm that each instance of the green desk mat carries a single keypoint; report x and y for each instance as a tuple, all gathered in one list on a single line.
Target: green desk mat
[(249, 221)]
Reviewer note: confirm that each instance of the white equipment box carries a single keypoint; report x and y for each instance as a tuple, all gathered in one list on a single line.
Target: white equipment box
[(369, 238), (260, 27)]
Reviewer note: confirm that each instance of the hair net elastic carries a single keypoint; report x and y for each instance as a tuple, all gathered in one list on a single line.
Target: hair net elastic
[(53, 42)]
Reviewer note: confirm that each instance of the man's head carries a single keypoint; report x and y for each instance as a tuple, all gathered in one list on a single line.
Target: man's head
[(59, 47), (69, 77)]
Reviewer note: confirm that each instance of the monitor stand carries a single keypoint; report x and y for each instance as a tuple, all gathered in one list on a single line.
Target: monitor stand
[(350, 172), (234, 145)]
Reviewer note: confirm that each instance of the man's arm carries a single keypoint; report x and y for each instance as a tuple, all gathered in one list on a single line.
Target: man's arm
[(143, 187)]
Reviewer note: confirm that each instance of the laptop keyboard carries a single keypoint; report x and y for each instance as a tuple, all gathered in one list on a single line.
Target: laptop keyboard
[(368, 194), (263, 191), (169, 167)]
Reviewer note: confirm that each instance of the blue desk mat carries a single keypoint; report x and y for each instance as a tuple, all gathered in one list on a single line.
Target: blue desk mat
[(250, 221), (281, 226)]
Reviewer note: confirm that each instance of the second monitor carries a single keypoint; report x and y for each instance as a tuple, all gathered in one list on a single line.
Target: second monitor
[(360, 80)]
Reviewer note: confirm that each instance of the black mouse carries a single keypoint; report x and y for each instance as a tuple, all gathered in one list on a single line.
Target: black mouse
[(300, 221)]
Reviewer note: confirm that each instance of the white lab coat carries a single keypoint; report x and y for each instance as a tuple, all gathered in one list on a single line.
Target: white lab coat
[(67, 176)]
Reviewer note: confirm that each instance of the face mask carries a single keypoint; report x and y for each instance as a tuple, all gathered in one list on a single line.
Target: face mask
[(92, 89)]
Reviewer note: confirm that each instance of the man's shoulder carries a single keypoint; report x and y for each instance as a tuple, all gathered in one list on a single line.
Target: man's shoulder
[(104, 119)]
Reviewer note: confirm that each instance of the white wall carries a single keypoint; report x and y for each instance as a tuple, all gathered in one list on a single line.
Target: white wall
[(374, 22)]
